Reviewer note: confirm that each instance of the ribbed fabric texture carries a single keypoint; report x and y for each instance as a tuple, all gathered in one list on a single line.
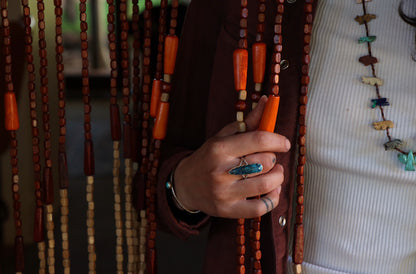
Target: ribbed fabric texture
[(360, 204)]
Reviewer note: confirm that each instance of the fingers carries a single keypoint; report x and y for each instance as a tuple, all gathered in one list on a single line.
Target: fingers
[(253, 142), (258, 185), (255, 207)]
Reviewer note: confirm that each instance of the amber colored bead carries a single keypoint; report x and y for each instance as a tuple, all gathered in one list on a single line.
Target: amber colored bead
[(255, 245), (19, 254), (48, 185), (241, 249), (155, 100), (259, 61), (89, 166), (298, 248), (302, 130), (300, 199), (241, 221), (241, 105), (299, 219), (11, 112), (268, 120), (160, 127), (63, 170), (240, 62), (241, 259), (300, 189), (171, 48), (299, 209), (38, 233)]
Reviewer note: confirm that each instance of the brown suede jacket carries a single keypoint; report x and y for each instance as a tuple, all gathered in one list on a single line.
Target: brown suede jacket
[(202, 102)]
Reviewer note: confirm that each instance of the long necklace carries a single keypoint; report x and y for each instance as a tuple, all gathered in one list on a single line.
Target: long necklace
[(404, 157), (89, 167), (299, 230), (115, 134), (62, 161), (47, 170), (39, 226), (11, 125)]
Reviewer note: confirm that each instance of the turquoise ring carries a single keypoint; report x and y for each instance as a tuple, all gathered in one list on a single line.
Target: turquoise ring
[(244, 169)]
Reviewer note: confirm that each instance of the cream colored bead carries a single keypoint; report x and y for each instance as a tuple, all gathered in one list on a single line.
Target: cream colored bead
[(15, 179), (90, 180), (240, 116), (49, 210), (242, 95), (253, 105), (167, 78), (242, 127), (297, 268), (50, 234), (257, 87)]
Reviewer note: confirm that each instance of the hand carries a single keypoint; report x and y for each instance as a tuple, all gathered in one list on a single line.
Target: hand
[(202, 181)]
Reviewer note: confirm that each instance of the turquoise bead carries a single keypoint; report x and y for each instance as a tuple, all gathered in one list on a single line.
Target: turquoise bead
[(408, 160), (367, 39)]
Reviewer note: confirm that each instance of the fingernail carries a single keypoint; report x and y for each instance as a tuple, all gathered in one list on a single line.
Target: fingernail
[(288, 145)]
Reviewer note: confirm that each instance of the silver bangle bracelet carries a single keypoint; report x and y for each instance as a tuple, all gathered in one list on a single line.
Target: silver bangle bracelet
[(169, 185)]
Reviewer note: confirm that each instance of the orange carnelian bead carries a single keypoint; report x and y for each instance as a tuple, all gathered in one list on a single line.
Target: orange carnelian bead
[(240, 61), (171, 47), (161, 122), (259, 62), (268, 120), (11, 113), (155, 101)]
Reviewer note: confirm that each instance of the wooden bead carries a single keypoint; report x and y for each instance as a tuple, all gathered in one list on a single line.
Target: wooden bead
[(268, 120), (171, 48), (240, 63), (127, 140), (298, 248), (11, 113), (155, 101), (89, 166), (19, 254), (115, 122), (38, 235), (160, 127), (48, 185), (259, 61)]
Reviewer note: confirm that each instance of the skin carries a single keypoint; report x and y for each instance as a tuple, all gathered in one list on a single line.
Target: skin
[(202, 181)]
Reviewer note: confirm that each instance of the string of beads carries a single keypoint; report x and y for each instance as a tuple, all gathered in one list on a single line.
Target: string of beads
[(47, 170), (240, 63), (299, 234), (62, 161), (39, 226), (11, 125), (89, 168)]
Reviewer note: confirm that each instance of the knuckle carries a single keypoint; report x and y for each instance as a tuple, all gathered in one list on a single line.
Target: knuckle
[(261, 138)]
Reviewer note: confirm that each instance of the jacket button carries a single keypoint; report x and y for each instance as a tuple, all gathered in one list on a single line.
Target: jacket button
[(282, 221)]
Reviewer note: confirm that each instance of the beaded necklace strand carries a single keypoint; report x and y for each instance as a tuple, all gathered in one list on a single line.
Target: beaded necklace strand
[(89, 167), (115, 134), (299, 230), (47, 170), (404, 157), (12, 125), (39, 226), (62, 160), (240, 63)]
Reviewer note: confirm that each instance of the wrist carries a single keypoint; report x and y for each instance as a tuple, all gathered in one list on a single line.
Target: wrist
[(170, 186)]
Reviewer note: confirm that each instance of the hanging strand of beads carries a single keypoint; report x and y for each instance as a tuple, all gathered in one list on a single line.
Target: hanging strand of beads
[(143, 188), (240, 63), (62, 161), (259, 65), (89, 168), (47, 170), (134, 130), (160, 128), (115, 134), (141, 226), (12, 125), (126, 134), (38, 235), (298, 235), (259, 55)]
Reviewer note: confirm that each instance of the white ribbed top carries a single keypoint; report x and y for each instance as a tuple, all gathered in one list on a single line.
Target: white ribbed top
[(360, 204)]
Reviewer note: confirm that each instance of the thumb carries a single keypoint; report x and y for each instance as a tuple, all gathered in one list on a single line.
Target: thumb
[(254, 117)]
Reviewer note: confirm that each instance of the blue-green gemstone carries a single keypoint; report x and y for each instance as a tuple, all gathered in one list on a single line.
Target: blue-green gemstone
[(408, 160), (367, 39), (247, 169)]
